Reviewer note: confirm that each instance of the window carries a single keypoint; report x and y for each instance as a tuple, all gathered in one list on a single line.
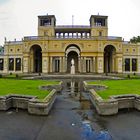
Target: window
[(1, 64), (127, 64), (134, 64), (45, 22), (11, 64), (56, 65), (18, 64)]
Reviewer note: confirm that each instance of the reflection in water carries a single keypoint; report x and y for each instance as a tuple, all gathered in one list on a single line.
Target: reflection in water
[(74, 88), (88, 133)]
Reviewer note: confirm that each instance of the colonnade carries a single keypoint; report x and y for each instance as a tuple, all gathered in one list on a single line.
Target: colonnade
[(73, 35), (85, 64)]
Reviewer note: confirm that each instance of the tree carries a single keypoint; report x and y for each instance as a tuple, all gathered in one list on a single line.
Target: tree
[(135, 39)]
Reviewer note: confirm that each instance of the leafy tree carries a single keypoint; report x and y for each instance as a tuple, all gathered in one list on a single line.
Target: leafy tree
[(135, 39)]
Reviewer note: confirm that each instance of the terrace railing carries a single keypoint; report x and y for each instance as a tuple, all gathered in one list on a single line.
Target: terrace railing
[(30, 38)]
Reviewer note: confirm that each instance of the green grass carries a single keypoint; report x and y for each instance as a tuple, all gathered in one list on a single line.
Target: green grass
[(24, 87), (118, 87)]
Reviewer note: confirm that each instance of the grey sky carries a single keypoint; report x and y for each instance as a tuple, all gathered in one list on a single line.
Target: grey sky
[(18, 18)]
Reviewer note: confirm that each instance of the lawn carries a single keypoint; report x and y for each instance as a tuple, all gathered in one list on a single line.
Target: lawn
[(24, 87), (118, 87)]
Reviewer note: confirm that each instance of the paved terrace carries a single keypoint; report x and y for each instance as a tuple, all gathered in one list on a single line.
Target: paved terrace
[(69, 76), (65, 121)]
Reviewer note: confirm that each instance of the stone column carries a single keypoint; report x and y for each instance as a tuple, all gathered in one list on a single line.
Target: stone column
[(61, 64), (138, 64), (63, 35), (84, 62), (81, 35), (76, 34), (100, 64), (26, 63), (65, 64), (14, 65), (79, 64), (45, 63), (131, 65), (119, 64), (6, 64), (85, 35), (93, 64), (51, 70), (72, 35), (59, 35), (90, 65)]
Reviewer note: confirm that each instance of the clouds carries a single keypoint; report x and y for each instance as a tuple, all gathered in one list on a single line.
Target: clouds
[(18, 18)]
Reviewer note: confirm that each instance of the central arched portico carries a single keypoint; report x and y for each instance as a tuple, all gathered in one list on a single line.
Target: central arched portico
[(35, 58), (72, 52), (109, 59)]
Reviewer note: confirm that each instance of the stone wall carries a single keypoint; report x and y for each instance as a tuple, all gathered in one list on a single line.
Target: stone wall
[(31, 103), (42, 108), (112, 105), (51, 87)]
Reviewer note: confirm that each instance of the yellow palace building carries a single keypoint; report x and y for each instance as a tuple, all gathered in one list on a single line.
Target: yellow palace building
[(92, 50)]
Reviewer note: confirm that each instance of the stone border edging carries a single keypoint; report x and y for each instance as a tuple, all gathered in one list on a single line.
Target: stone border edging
[(112, 105), (31, 103)]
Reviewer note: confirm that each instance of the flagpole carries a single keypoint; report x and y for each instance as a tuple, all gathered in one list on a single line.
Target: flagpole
[(72, 20)]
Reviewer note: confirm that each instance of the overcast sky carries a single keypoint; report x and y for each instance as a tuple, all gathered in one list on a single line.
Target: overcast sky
[(18, 18)]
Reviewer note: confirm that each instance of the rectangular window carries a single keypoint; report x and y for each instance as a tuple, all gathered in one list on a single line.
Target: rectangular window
[(134, 64), (56, 65), (1, 63), (127, 64), (11, 64), (18, 64)]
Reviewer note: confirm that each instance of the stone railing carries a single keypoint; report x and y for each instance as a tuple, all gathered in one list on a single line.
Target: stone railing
[(111, 106), (42, 107), (31, 38), (31, 103)]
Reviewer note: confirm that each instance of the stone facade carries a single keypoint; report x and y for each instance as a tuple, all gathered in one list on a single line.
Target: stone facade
[(92, 50)]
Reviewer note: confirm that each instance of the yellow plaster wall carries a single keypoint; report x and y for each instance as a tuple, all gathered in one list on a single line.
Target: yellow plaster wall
[(46, 31)]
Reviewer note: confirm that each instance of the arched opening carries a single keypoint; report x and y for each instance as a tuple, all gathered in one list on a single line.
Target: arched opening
[(109, 59), (36, 58), (72, 47), (72, 55), (72, 52)]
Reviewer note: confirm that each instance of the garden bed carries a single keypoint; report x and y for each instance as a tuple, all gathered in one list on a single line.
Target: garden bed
[(26, 94)]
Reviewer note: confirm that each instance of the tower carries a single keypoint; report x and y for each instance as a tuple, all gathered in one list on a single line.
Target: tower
[(46, 24), (99, 25)]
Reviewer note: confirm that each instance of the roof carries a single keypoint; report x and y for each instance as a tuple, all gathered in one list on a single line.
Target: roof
[(99, 16), (46, 16)]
